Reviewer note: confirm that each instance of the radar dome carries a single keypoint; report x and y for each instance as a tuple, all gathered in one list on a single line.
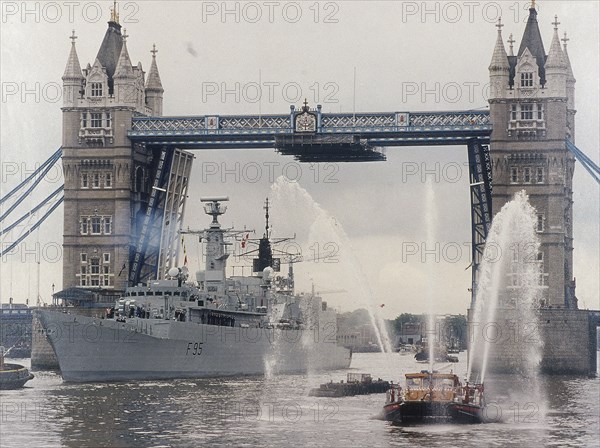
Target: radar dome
[(173, 272), (268, 273)]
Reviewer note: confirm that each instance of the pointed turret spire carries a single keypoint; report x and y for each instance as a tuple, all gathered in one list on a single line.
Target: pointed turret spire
[(499, 58), (154, 88), (532, 40), (511, 42), (124, 68), (114, 14), (73, 69), (154, 83), (110, 50), (565, 39), (556, 57)]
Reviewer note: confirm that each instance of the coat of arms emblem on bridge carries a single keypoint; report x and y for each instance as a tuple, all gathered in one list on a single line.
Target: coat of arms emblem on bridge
[(305, 121)]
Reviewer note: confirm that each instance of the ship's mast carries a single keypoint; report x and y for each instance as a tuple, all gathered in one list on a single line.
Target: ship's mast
[(266, 207), (265, 252), (216, 255)]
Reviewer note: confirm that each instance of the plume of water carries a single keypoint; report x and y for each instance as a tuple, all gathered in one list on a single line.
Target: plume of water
[(301, 208), (508, 282), (431, 218)]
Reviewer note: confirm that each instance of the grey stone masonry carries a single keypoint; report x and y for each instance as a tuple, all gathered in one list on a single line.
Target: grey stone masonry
[(532, 118), (107, 179)]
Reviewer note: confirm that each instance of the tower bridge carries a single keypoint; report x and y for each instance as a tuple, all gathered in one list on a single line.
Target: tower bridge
[(127, 167), (374, 129)]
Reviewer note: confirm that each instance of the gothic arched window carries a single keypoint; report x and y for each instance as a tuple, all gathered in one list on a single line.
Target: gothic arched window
[(139, 179)]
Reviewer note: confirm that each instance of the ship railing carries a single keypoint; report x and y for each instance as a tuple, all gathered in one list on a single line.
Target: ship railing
[(393, 394), (471, 394)]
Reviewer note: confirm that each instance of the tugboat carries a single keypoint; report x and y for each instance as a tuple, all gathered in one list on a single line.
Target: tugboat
[(432, 397), (12, 376)]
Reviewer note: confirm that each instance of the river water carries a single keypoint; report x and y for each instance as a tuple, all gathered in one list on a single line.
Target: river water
[(277, 412)]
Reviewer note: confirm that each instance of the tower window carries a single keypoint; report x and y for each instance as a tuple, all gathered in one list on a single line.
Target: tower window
[(83, 257), (527, 79), (514, 175), (513, 112), (96, 120), (95, 272), (96, 225), (96, 89), (514, 275), (539, 175), (85, 180), (107, 225), (526, 175), (95, 266), (84, 120), (106, 276), (108, 180), (540, 111), (106, 258), (540, 223), (84, 225), (526, 111)]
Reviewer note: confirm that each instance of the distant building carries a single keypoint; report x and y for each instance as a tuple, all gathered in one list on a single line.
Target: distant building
[(411, 333)]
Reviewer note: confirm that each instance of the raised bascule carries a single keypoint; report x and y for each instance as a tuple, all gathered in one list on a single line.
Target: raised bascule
[(127, 168)]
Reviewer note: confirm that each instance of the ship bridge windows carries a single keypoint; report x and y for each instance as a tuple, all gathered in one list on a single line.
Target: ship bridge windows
[(413, 382)]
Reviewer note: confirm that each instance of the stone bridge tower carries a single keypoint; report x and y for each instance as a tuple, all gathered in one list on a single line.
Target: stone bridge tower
[(108, 181), (532, 108)]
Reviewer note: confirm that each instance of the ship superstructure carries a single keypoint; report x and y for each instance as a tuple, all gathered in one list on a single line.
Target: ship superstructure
[(217, 326)]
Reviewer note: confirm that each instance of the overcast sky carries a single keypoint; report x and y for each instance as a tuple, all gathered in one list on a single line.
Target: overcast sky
[(407, 56)]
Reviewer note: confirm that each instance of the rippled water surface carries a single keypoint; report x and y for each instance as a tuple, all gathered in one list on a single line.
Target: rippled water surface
[(255, 411)]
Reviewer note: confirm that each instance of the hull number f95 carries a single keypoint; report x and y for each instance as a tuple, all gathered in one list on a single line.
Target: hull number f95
[(194, 348)]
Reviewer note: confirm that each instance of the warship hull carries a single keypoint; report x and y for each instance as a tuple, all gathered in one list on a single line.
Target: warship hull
[(90, 349)]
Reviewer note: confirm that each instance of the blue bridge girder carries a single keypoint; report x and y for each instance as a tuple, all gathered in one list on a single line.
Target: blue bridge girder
[(262, 131)]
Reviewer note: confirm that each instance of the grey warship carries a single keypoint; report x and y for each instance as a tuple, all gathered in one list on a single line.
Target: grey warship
[(218, 326)]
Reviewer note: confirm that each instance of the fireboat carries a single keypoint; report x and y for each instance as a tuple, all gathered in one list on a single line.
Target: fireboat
[(432, 397)]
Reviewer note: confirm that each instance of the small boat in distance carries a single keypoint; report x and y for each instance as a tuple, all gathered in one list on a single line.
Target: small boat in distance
[(441, 355), (12, 376), (432, 397), (356, 384)]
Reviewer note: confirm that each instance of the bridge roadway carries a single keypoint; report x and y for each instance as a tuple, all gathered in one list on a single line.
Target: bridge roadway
[(267, 131)]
